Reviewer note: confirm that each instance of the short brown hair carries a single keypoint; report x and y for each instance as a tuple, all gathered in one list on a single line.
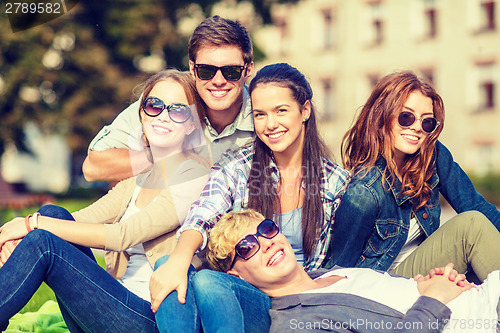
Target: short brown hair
[(217, 31), (226, 234)]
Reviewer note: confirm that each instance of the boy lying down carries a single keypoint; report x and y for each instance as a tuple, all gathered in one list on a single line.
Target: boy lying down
[(246, 245)]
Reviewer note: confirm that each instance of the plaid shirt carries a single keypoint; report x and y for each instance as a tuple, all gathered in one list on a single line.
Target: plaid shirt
[(227, 190)]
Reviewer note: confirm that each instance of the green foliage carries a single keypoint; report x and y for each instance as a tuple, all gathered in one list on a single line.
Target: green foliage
[(489, 186)]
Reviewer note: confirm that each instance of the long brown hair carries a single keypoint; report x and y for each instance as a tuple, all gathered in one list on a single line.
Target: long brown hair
[(371, 135), (262, 193)]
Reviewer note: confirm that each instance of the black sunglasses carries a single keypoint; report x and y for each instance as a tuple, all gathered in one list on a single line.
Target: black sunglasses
[(249, 246), (178, 112), (407, 118), (230, 73)]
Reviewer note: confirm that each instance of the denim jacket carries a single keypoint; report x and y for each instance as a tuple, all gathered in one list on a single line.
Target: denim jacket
[(373, 219)]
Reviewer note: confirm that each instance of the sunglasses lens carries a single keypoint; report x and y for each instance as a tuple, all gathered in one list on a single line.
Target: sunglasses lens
[(247, 247), (206, 72), (232, 73), (406, 119), (153, 106), (179, 113), (429, 124), (268, 229)]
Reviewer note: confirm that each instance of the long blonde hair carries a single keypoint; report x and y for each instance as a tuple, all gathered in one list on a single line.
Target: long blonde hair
[(371, 135)]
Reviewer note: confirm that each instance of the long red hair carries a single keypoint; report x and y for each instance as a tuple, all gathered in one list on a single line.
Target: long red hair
[(371, 135)]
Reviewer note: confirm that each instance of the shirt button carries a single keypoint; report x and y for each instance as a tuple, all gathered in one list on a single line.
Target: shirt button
[(425, 215), (149, 254)]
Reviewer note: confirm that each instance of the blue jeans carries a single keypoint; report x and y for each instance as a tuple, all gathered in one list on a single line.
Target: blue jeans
[(229, 304), (173, 316), (90, 299)]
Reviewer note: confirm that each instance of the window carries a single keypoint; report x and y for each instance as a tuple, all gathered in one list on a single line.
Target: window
[(430, 22), (424, 23), (488, 15), (485, 154), (373, 80), (487, 87), (428, 75), (376, 22), (481, 15), (328, 29), (488, 94), (377, 27), (283, 30), (328, 108), (282, 27)]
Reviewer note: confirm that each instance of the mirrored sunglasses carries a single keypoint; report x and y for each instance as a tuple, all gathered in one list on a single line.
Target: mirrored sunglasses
[(230, 73), (178, 112), (249, 245), (407, 118)]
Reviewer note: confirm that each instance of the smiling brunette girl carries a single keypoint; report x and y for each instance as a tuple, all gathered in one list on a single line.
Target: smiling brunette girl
[(286, 175), (389, 218)]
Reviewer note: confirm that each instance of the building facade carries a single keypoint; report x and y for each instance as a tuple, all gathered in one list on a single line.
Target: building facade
[(345, 46)]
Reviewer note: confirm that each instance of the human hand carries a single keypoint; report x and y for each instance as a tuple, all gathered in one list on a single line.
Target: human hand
[(169, 277), (443, 287), (15, 229), (448, 270), (7, 249)]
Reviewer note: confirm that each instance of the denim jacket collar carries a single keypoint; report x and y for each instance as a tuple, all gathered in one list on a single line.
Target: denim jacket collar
[(396, 189)]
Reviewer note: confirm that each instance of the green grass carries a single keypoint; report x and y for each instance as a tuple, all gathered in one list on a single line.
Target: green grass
[(70, 204), (44, 293)]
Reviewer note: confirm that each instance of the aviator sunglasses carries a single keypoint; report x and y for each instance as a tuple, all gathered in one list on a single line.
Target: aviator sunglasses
[(178, 112), (230, 73), (407, 118), (249, 246)]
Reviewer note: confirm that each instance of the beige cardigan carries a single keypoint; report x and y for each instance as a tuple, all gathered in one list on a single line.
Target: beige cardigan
[(154, 226)]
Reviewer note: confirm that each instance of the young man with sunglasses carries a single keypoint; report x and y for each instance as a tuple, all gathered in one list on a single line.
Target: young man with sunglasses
[(247, 246), (220, 59)]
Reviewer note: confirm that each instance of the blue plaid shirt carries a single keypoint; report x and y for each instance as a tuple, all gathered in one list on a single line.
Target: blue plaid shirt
[(227, 190)]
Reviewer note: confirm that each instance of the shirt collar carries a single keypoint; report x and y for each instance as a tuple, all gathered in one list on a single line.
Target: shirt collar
[(243, 121)]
